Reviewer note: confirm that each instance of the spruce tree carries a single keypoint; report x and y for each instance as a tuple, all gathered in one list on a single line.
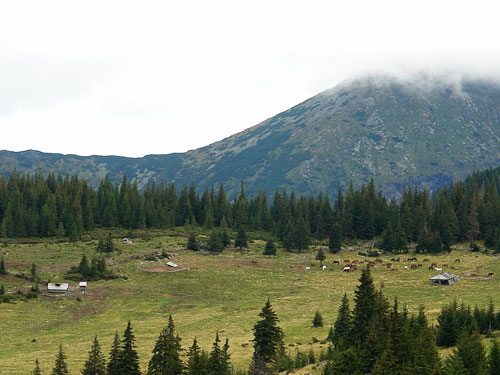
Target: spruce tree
[(224, 238), (214, 242), (192, 243), (95, 364), (320, 255), (364, 304), (36, 370), (268, 336), (33, 271), (218, 360), (342, 325), (335, 241), (3, 271), (60, 366), (197, 360), (241, 238), (270, 248), (129, 360), (166, 353), (317, 320), (113, 367)]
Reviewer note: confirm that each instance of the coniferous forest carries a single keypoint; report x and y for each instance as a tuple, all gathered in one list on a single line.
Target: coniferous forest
[(37, 206)]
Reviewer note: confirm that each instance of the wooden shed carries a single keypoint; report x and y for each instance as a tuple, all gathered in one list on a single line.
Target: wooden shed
[(445, 278)]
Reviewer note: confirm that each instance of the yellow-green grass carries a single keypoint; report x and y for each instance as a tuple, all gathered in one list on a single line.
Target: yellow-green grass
[(221, 293)]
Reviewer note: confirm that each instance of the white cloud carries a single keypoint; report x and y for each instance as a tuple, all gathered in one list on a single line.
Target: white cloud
[(132, 78)]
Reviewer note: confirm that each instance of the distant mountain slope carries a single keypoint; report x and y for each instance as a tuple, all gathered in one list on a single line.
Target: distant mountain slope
[(423, 131)]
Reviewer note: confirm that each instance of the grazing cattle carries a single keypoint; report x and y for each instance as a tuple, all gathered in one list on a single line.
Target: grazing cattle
[(254, 261), (378, 260), (419, 265), (347, 261), (491, 274), (426, 260), (438, 269), (388, 265), (412, 259), (413, 266), (452, 267), (324, 268), (457, 260), (445, 265), (433, 265), (346, 269), (394, 269), (291, 266), (336, 262), (395, 260), (430, 267), (308, 268), (406, 267), (473, 275)]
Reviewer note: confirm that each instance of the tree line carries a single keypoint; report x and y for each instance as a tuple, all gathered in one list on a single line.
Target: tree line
[(38, 206)]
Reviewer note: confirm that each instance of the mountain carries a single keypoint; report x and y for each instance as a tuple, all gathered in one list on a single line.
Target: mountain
[(423, 130)]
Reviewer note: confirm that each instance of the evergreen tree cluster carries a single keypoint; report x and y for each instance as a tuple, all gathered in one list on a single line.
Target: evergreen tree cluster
[(455, 318), (55, 206), (165, 360), (94, 270)]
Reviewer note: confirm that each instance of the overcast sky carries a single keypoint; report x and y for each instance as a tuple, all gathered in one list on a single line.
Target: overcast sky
[(152, 77)]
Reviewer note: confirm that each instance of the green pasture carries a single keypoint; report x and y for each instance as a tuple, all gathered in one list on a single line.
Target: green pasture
[(221, 293)]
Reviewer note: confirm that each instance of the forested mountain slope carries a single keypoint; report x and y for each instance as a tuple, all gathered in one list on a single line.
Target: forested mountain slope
[(421, 131)]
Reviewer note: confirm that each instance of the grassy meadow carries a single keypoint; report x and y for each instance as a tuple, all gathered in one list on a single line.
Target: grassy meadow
[(221, 293)]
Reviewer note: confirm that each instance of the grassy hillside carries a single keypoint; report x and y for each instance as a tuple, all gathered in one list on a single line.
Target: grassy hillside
[(223, 293)]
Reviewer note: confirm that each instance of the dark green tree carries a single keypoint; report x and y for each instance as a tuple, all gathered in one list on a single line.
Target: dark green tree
[(342, 325), (268, 336), (60, 366), (317, 320), (3, 271), (270, 248), (129, 360), (218, 363), (192, 243), (113, 367), (214, 243), (166, 353), (95, 364), (197, 362), (301, 235), (33, 271), (364, 304), (335, 242), (320, 255), (241, 238)]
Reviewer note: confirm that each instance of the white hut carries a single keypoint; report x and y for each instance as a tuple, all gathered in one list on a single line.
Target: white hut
[(83, 286), (57, 287)]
